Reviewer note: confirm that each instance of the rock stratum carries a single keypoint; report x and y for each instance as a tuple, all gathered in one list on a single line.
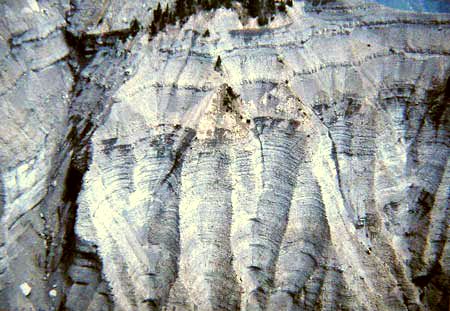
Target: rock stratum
[(306, 170)]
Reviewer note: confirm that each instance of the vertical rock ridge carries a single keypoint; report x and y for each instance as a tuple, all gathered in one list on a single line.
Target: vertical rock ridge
[(145, 177), (262, 220), (342, 235), (303, 250), (335, 293), (158, 174), (205, 220)]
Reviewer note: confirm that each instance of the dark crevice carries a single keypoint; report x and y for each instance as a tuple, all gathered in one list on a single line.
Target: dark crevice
[(81, 283), (72, 188), (83, 49), (179, 153), (437, 101), (334, 156), (434, 288), (78, 56), (424, 280), (72, 183)]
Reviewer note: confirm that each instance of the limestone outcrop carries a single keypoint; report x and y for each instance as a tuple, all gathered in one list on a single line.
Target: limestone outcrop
[(306, 170)]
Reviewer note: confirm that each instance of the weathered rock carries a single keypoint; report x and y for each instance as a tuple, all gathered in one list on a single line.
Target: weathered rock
[(309, 172), (25, 288)]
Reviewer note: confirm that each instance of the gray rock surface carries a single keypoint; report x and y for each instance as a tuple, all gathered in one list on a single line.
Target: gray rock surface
[(309, 171)]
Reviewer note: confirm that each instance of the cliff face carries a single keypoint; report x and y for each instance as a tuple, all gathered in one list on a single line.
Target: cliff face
[(306, 170)]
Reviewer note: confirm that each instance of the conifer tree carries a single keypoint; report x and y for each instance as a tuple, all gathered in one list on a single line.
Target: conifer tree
[(153, 29), (190, 7), (218, 65), (214, 4), (262, 20), (172, 18), (253, 7), (157, 13), (165, 15), (208, 5), (227, 4), (270, 6), (180, 9), (135, 26)]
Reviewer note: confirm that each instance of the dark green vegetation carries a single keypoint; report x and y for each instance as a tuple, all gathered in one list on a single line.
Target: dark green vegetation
[(262, 9), (218, 65)]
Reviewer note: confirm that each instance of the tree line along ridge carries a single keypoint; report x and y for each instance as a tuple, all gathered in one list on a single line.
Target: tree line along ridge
[(182, 9)]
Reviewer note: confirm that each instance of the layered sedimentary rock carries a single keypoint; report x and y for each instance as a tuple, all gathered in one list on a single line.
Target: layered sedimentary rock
[(34, 99), (307, 170)]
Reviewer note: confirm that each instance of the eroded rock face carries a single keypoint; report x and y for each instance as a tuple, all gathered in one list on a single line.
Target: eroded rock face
[(306, 171)]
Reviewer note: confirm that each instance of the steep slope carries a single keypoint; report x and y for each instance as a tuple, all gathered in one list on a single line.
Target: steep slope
[(44, 135), (305, 170), (320, 145)]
